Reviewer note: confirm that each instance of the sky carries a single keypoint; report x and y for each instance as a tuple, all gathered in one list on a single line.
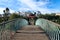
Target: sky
[(44, 6)]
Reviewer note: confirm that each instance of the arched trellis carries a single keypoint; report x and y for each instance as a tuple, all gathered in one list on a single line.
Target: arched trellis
[(7, 29), (50, 28)]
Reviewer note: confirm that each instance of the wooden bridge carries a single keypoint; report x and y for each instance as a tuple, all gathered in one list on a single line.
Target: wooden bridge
[(30, 32), (18, 29)]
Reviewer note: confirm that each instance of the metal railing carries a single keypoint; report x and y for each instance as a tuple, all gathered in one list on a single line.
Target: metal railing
[(51, 29), (8, 29)]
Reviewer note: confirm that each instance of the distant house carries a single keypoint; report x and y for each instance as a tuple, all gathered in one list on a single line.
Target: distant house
[(57, 14)]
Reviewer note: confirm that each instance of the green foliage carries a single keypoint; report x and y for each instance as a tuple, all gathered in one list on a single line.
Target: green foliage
[(0, 20), (14, 15), (51, 17)]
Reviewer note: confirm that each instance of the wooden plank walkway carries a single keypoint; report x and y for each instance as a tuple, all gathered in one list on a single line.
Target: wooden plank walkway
[(30, 32)]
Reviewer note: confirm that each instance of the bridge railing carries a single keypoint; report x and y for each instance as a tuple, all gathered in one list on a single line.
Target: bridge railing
[(8, 29), (52, 29)]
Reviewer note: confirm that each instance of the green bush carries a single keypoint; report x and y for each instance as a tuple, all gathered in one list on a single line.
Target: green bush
[(14, 15)]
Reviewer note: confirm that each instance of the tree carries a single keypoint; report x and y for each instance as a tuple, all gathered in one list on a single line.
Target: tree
[(6, 14), (7, 11), (0, 19), (14, 15), (53, 14)]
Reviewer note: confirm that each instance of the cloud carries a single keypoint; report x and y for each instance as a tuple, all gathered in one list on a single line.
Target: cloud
[(34, 5), (13, 4), (24, 9), (1, 10), (38, 5), (12, 11), (30, 4), (41, 2), (24, 5)]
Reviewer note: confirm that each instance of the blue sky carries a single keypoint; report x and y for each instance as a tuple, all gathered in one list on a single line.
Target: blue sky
[(45, 6)]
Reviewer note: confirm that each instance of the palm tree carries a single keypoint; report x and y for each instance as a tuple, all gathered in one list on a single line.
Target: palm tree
[(6, 14)]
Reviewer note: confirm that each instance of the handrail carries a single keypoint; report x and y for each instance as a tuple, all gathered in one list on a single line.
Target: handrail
[(52, 29), (8, 21), (58, 25), (5, 31), (8, 28)]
